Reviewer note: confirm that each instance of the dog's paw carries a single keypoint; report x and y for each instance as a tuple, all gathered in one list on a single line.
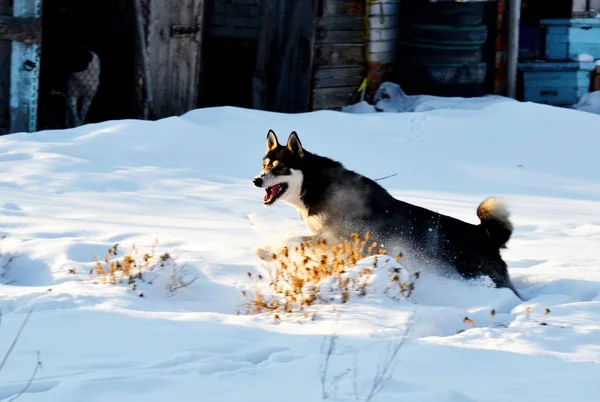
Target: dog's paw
[(265, 254)]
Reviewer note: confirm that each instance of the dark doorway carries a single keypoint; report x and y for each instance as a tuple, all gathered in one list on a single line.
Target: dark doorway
[(106, 27), (228, 67)]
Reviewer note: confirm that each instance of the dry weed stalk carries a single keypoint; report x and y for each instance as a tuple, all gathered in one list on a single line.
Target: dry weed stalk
[(383, 372), (546, 312), (38, 366), (313, 272), (133, 266), (5, 261), (115, 269)]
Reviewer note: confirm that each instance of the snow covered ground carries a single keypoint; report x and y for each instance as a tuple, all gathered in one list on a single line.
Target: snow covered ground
[(186, 181), (589, 102)]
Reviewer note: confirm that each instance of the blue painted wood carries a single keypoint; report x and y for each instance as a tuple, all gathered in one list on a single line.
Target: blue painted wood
[(574, 36), (567, 38), (24, 74), (556, 83), (551, 76), (557, 51), (557, 66), (554, 96), (567, 51), (578, 82), (576, 22)]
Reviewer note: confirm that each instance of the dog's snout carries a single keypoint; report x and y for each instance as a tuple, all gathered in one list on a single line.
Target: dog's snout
[(257, 181)]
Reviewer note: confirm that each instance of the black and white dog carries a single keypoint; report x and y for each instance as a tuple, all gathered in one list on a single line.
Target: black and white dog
[(335, 202)]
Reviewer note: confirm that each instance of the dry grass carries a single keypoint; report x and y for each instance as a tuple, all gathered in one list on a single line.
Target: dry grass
[(320, 273), (492, 323), (133, 267), (5, 260)]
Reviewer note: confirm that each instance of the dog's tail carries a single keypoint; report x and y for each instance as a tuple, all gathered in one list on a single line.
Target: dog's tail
[(495, 220)]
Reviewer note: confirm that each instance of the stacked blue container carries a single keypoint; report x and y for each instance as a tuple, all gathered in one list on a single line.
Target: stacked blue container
[(571, 48)]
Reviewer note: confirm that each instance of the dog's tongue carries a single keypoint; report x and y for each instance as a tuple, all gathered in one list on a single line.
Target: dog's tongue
[(270, 191)]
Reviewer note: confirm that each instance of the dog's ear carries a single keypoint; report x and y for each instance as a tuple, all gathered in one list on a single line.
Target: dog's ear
[(294, 145), (272, 142)]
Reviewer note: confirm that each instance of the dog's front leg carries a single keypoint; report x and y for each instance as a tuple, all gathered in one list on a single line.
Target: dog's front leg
[(71, 112), (85, 106), (267, 253)]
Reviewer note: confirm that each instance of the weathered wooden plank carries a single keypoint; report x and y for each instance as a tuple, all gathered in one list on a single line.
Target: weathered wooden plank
[(174, 60), (25, 74), (311, 55), (357, 23), (382, 46), (332, 98), (357, 7), (388, 10), (27, 30), (143, 84), (338, 55), (5, 50), (324, 35), (341, 23), (385, 22), (383, 57), (378, 34), (343, 7), (339, 77)]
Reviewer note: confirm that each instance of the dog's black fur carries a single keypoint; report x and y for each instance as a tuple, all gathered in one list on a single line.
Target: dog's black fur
[(421, 235)]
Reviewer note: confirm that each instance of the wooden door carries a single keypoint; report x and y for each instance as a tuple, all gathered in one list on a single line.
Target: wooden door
[(174, 49), (20, 38)]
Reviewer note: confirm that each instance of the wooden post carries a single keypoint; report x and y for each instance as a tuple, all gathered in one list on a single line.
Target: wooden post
[(382, 42), (5, 51), (142, 52), (311, 55), (25, 73), (512, 62)]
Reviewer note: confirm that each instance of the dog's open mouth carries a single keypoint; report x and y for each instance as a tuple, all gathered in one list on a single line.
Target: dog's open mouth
[(274, 192)]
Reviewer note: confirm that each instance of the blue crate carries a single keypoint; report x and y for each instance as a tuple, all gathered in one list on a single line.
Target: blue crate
[(556, 83), (566, 38)]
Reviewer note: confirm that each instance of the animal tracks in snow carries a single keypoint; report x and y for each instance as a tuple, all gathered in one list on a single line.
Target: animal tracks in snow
[(417, 133)]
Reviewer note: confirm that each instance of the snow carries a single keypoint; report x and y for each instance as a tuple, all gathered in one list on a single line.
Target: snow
[(589, 102), (391, 98), (69, 195), (583, 57)]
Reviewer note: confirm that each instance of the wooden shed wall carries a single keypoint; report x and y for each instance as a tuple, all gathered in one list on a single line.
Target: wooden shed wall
[(340, 46)]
